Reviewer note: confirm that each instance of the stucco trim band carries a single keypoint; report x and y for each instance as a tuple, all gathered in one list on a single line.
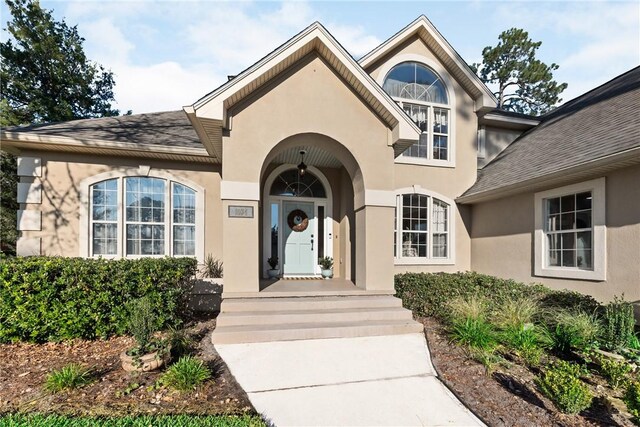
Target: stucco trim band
[(238, 190)]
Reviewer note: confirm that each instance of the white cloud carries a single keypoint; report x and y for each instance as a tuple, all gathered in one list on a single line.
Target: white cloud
[(218, 39), (605, 38)]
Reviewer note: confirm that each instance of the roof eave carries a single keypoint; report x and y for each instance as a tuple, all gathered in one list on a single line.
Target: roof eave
[(17, 141), (583, 170), (485, 102)]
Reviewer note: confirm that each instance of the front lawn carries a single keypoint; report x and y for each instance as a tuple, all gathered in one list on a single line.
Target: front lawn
[(521, 354), (29, 420)]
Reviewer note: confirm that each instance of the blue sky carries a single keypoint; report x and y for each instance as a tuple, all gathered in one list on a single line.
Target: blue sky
[(166, 54)]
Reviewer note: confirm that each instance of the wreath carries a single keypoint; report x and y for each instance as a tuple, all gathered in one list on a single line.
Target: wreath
[(298, 220)]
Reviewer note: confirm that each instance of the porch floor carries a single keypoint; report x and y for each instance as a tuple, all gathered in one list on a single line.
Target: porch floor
[(305, 288)]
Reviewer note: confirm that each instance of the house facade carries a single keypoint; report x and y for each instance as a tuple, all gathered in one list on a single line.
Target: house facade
[(386, 164)]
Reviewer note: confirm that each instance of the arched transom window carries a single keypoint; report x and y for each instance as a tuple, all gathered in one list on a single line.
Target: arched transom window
[(423, 96), (142, 216), (290, 183), (422, 228)]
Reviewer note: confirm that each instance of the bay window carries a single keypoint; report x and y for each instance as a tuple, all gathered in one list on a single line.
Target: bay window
[(135, 216)]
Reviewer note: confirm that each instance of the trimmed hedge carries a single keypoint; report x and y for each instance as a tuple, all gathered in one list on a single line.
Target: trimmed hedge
[(54, 298), (428, 294)]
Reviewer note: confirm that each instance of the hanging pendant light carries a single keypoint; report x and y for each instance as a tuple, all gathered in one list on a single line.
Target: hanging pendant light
[(302, 167)]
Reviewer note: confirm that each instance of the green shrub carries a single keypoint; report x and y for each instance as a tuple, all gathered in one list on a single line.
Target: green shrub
[(614, 371), (618, 324), (515, 312), (54, 298), (186, 374), (561, 384), (68, 377), (213, 267), (476, 333), (429, 294), (528, 341), (142, 324), (574, 330), (632, 400)]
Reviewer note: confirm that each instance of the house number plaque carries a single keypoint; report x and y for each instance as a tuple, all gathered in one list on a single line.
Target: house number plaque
[(240, 211)]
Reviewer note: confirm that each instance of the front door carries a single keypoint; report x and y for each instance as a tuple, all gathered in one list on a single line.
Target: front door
[(298, 224)]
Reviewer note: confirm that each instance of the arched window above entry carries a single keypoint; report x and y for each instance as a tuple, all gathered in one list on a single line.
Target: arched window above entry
[(414, 81), (290, 183)]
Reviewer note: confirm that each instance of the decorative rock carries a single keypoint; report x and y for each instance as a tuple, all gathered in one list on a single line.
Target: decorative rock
[(147, 362), (610, 355)]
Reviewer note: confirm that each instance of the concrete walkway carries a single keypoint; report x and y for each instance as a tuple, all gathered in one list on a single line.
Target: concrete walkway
[(364, 381)]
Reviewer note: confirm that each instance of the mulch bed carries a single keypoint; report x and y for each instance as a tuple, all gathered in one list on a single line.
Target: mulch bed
[(24, 368), (508, 396)]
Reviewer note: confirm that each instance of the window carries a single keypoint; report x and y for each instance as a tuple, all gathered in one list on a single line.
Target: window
[(290, 183), (421, 228), (104, 215), (423, 96), (157, 217), (569, 231), (569, 241)]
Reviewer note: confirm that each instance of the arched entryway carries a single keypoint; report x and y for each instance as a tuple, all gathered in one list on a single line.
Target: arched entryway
[(297, 220)]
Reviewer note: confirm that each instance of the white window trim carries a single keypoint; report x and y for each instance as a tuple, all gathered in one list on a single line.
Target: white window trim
[(451, 232), (598, 218), (84, 234), (451, 106)]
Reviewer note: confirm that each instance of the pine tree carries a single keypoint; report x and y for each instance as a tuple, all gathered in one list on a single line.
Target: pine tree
[(525, 84)]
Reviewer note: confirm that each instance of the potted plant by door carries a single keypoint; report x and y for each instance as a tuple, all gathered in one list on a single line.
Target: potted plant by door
[(326, 265), (274, 272), (150, 352)]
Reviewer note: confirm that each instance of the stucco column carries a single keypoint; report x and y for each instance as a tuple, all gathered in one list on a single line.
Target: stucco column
[(240, 240), (374, 247)]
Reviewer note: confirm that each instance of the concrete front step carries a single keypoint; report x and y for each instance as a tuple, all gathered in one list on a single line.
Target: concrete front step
[(309, 303), (315, 330), (240, 318), (286, 319)]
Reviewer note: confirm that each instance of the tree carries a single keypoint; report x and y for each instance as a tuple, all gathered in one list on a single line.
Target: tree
[(45, 77), (525, 84)]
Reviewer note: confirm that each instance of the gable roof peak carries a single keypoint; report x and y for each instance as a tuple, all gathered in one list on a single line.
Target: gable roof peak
[(429, 34)]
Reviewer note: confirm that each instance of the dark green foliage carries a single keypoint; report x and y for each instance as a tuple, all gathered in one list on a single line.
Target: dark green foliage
[(632, 400), (142, 323), (561, 383), (618, 324), (615, 371), (30, 420), (186, 374), (573, 329), (67, 377), (45, 75), (428, 294), (8, 203), (476, 333), (54, 298), (525, 84), (213, 267)]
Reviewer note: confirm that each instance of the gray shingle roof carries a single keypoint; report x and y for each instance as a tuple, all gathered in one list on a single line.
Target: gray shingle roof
[(169, 128), (600, 123)]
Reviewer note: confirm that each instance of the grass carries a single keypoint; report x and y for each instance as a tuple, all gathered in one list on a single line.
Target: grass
[(574, 330), (68, 377), (29, 420), (186, 374)]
